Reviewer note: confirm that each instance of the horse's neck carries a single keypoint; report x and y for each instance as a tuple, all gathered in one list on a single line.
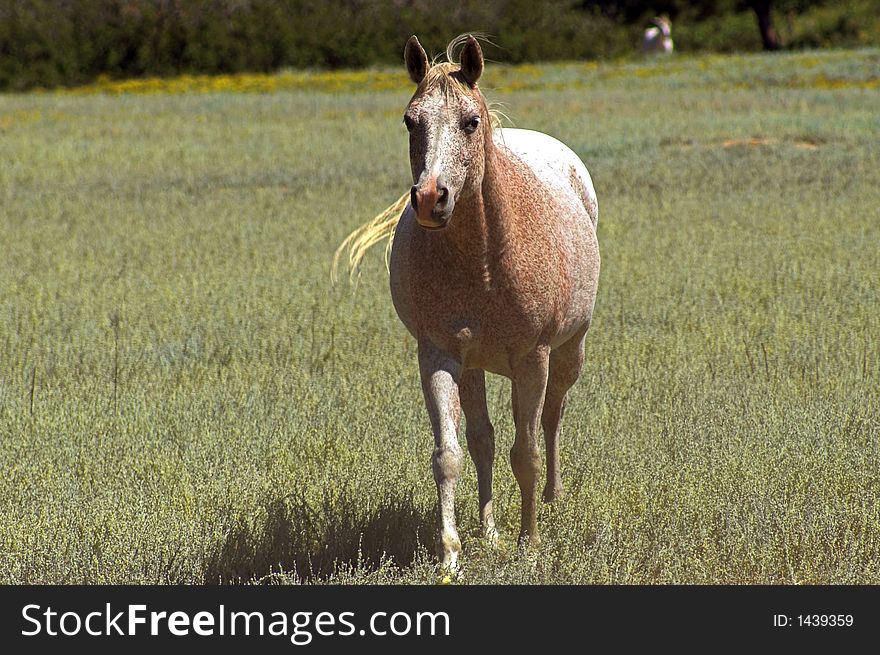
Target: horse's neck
[(482, 230)]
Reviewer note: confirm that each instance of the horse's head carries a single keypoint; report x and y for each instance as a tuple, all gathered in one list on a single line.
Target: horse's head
[(664, 24), (448, 124)]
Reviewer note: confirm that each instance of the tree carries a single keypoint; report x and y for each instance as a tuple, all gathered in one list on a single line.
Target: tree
[(763, 10)]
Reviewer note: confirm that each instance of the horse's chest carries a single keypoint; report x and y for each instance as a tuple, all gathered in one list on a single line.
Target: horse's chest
[(476, 340), (485, 321)]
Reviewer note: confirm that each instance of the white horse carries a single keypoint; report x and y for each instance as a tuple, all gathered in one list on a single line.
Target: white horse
[(658, 40)]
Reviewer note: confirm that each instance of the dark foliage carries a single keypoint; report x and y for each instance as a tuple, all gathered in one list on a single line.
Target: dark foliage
[(67, 42)]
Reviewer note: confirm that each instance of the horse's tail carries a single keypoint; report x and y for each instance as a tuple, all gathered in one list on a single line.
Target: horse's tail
[(367, 235)]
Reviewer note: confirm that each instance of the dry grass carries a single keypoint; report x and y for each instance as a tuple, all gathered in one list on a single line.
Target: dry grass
[(184, 397)]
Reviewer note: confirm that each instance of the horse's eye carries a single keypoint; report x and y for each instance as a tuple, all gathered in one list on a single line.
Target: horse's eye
[(471, 125), (409, 122)]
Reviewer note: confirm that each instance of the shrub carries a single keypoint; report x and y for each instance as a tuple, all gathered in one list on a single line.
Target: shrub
[(67, 42)]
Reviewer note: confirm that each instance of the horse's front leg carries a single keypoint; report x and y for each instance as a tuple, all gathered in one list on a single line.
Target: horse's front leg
[(530, 386), (440, 375)]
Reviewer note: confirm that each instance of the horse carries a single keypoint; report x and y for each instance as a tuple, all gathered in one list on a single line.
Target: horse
[(657, 40), (494, 266)]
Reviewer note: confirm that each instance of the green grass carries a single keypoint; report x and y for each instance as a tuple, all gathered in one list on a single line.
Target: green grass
[(185, 398)]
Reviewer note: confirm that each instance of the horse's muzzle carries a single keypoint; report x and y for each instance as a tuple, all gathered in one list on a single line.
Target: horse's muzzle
[(432, 203)]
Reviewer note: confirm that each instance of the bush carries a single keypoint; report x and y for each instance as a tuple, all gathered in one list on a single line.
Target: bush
[(68, 42), (840, 24), (729, 33)]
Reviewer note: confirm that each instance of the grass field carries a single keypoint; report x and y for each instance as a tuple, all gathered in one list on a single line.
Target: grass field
[(184, 397)]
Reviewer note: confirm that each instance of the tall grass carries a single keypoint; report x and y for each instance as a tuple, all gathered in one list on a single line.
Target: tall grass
[(184, 397)]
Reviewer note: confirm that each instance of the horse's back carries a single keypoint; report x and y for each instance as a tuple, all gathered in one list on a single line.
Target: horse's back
[(553, 163), (651, 39)]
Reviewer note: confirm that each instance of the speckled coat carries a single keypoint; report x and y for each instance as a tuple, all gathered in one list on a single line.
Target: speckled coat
[(494, 267)]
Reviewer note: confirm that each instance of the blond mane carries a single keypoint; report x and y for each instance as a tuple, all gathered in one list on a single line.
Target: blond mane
[(442, 74)]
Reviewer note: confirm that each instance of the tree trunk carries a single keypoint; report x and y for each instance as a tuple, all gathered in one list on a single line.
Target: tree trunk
[(769, 37)]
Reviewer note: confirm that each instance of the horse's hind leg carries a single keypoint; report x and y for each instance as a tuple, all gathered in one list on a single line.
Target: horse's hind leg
[(530, 377), (565, 367), (481, 442)]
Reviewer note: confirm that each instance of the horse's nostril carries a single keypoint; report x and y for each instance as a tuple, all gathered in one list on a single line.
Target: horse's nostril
[(414, 197), (443, 195)]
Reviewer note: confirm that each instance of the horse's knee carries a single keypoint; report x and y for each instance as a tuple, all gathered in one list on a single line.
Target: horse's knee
[(446, 463), (526, 465)]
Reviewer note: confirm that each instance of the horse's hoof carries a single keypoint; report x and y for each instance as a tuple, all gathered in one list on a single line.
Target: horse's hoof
[(490, 536), (448, 549), (528, 541), (449, 571)]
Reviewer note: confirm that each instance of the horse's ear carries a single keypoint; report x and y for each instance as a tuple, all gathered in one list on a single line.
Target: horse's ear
[(416, 60), (471, 61)]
